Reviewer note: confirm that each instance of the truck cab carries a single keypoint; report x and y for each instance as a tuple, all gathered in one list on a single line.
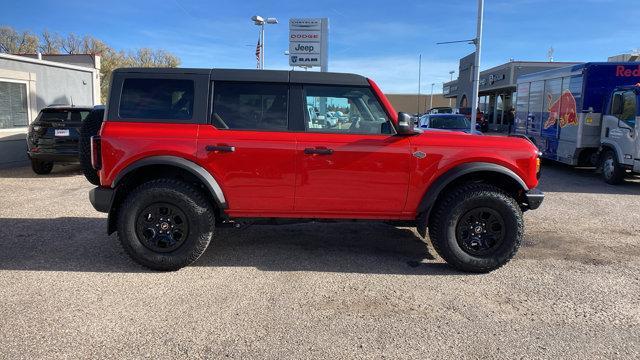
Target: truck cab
[(620, 133)]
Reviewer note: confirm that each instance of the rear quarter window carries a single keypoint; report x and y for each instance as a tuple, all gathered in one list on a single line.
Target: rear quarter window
[(161, 99)]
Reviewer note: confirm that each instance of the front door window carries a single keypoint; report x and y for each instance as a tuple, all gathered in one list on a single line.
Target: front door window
[(624, 107), (344, 110)]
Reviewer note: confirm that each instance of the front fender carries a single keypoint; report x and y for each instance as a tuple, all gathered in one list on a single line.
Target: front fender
[(459, 171)]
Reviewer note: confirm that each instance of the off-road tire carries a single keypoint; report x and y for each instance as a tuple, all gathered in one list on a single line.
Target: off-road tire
[(41, 167), (90, 127), (197, 209), (615, 174), (444, 220)]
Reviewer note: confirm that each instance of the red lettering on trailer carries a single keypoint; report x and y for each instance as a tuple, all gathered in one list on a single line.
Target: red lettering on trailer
[(622, 71)]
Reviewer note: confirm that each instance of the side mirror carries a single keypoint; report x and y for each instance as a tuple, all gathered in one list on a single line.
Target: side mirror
[(405, 124), (624, 125)]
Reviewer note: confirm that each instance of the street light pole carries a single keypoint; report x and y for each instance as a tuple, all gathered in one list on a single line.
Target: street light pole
[(476, 66), (431, 97), (262, 46), (451, 80), (260, 21)]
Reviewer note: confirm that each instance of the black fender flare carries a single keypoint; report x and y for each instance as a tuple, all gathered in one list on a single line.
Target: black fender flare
[(198, 171), (431, 195)]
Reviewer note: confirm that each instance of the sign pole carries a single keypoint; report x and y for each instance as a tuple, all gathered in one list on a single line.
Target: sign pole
[(324, 45)]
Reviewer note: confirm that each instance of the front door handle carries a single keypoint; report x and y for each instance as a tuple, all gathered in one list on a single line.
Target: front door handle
[(220, 148), (318, 151)]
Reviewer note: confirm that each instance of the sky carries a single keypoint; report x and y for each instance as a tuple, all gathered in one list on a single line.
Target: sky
[(379, 39)]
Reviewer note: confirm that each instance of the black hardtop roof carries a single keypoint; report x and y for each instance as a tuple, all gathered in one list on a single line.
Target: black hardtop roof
[(306, 77)]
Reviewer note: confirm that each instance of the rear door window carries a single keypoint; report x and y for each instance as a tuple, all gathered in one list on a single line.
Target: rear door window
[(161, 99), (250, 106)]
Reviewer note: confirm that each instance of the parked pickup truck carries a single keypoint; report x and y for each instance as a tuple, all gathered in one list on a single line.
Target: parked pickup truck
[(182, 151)]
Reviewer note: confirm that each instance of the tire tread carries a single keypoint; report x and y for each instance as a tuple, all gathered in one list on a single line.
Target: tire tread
[(203, 208), (437, 225)]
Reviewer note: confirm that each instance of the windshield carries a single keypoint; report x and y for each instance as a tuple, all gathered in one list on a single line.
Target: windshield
[(448, 122)]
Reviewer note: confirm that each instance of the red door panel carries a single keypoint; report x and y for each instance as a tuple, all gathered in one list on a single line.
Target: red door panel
[(348, 173), (254, 168)]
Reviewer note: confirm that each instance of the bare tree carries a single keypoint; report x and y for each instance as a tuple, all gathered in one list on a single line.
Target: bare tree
[(51, 43), (14, 42), (71, 44)]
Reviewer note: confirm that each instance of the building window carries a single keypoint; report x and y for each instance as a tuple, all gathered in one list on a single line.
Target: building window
[(13, 105)]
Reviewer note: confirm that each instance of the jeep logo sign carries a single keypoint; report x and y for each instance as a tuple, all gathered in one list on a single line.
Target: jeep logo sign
[(297, 48), (308, 42)]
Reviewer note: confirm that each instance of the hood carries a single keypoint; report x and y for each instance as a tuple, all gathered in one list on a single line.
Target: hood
[(438, 137), (466, 131)]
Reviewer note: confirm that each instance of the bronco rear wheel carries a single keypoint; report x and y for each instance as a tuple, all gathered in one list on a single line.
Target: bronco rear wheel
[(165, 224), (476, 228)]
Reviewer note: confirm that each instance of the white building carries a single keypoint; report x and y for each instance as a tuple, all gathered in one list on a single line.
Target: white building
[(29, 83)]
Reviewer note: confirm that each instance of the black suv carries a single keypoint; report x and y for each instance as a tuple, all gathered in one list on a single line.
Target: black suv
[(53, 136)]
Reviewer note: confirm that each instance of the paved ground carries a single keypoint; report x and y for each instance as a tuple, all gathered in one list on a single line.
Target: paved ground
[(319, 290)]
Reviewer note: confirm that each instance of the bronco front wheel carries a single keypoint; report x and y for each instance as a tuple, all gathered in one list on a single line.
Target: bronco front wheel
[(165, 224), (476, 228)]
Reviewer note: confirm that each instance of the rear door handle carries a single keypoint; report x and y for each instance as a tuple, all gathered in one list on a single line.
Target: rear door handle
[(220, 148), (318, 151)]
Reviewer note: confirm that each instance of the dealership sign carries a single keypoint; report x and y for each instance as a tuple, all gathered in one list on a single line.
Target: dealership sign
[(308, 42)]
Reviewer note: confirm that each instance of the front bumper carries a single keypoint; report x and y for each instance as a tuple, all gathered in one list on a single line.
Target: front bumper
[(101, 198), (534, 198)]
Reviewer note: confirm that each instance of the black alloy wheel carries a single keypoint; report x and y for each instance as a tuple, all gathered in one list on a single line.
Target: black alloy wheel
[(479, 231), (162, 227)]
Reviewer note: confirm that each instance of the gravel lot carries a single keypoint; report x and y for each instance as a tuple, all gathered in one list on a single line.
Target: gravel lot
[(360, 290)]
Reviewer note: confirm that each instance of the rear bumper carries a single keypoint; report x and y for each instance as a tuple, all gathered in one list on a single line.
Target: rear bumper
[(534, 198), (65, 157), (101, 198)]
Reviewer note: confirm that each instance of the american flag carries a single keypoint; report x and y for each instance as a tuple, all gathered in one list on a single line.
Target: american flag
[(258, 50)]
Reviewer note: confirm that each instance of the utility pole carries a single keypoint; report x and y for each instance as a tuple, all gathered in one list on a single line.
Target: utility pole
[(476, 66), (419, 82)]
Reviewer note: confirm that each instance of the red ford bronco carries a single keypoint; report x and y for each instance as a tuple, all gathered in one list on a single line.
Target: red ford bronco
[(182, 151)]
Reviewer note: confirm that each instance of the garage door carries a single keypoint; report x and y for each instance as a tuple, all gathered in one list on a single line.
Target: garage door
[(13, 105)]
